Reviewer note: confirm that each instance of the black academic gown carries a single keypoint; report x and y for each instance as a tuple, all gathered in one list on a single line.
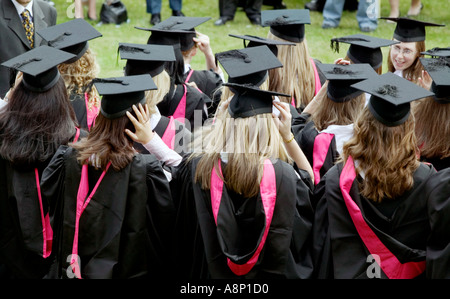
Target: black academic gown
[(124, 230), (401, 225), (79, 106), (305, 139), (183, 137), (21, 229), (198, 252), (195, 113), (438, 249), (208, 82), (437, 162)]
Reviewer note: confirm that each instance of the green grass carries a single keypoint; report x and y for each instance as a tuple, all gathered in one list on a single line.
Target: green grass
[(318, 39)]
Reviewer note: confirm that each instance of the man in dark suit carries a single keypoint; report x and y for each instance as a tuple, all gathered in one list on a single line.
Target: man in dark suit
[(13, 37)]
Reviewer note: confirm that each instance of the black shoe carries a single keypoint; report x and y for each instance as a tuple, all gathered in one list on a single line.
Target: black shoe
[(155, 19), (255, 20), (315, 5), (177, 13), (281, 5), (221, 21)]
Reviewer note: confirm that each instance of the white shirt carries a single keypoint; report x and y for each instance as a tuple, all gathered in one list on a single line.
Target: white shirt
[(341, 135), (20, 8), (399, 73)]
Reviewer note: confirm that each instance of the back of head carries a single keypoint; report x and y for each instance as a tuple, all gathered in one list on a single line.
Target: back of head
[(34, 124), (387, 156)]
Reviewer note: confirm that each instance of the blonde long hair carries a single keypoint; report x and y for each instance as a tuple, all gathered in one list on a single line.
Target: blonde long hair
[(153, 97), (387, 156), (79, 75), (415, 70), (247, 142), (432, 128), (332, 113), (296, 77)]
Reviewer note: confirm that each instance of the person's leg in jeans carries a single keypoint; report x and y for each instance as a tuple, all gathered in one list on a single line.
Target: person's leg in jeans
[(332, 13), (176, 5), (367, 15), (154, 8), (253, 11)]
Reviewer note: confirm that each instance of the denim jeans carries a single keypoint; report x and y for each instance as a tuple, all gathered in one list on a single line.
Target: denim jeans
[(154, 6), (366, 14)]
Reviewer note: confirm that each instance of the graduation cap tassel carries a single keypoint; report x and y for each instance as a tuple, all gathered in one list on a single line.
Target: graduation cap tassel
[(21, 64), (118, 81), (334, 45), (388, 89), (58, 39)]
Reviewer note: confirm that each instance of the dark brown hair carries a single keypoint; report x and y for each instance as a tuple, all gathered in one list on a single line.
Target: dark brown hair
[(33, 125), (107, 141)]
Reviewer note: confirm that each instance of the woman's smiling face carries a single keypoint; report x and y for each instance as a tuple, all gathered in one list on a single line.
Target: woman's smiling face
[(403, 55)]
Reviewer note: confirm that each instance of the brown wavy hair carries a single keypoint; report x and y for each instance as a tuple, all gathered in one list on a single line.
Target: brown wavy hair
[(387, 156), (79, 75), (107, 141), (415, 70), (432, 128), (296, 77), (332, 113)]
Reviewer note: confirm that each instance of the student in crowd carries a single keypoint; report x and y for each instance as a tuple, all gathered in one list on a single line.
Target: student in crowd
[(244, 212), (299, 76), (78, 73), (371, 213), (150, 59), (15, 39), (36, 120), (433, 113), (438, 249), (331, 124), (208, 80), (363, 49), (403, 58), (103, 180), (181, 94)]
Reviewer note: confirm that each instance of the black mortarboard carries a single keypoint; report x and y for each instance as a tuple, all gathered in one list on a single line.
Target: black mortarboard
[(71, 36), (248, 65), (145, 58), (121, 93), (439, 70), (390, 97), (363, 48), (249, 100), (410, 30), (168, 31), (254, 41), (39, 67), (437, 52), (341, 77), (287, 24)]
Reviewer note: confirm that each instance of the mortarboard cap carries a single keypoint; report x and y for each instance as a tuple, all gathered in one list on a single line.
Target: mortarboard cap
[(248, 65), (287, 24), (341, 77), (410, 30), (39, 67), (71, 36), (363, 48), (437, 52), (121, 93), (439, 70), (249, 100), (168, 31), (145, 58), (390, 97), (254, 41)]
